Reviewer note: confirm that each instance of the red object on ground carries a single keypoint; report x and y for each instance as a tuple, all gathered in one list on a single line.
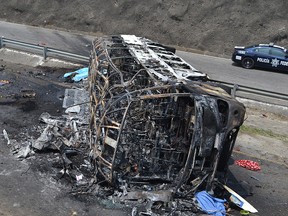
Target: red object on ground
[(248, 164)]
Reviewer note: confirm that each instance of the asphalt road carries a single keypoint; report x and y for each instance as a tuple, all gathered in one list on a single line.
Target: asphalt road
[(217, 68), (64, 40), (223, 69)]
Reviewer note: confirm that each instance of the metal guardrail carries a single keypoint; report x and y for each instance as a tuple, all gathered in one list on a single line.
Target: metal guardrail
[(44, 50), (52, 52), (251, 90), (260, 95)]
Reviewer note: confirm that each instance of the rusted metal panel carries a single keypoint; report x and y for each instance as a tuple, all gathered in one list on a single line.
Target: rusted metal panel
[(156, 120)]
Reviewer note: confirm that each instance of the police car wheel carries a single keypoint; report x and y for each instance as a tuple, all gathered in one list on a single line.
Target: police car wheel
[(247, 63)]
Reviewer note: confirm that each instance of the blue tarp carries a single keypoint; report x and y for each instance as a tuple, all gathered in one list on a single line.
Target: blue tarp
[(77, 75), (211, 205)]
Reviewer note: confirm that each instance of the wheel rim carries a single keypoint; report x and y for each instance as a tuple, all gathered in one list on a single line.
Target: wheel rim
[(248, 63)]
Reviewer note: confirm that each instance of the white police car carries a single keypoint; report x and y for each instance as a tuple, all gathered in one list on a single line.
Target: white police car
[(267, 56)]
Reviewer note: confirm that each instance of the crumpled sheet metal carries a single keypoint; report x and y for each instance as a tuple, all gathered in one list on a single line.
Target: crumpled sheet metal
[(58, 132), (151, 124)]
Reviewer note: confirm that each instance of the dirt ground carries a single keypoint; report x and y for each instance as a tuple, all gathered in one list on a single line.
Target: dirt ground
[(209, 26)]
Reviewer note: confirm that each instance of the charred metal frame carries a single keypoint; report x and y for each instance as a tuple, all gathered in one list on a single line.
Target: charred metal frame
[(154, 118)]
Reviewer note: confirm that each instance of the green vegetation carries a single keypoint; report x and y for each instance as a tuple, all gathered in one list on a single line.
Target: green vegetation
[(259, 131)]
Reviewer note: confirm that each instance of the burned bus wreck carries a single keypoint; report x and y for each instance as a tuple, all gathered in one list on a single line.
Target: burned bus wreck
[(157, 124)]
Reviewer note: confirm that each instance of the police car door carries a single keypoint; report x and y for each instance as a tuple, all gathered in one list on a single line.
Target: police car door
[(262, 57), (279, 59)]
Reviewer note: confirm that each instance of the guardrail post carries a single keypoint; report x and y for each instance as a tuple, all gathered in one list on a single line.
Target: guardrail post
[(1, 42), (44, 52), (233, 93)]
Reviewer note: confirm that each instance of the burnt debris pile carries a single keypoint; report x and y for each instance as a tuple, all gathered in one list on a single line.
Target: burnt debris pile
[(160, 130)]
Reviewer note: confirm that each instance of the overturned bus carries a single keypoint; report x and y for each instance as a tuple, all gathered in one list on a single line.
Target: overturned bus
[(157, 122)]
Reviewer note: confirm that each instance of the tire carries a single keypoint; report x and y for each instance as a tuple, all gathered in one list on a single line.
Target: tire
[(247, 63)]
